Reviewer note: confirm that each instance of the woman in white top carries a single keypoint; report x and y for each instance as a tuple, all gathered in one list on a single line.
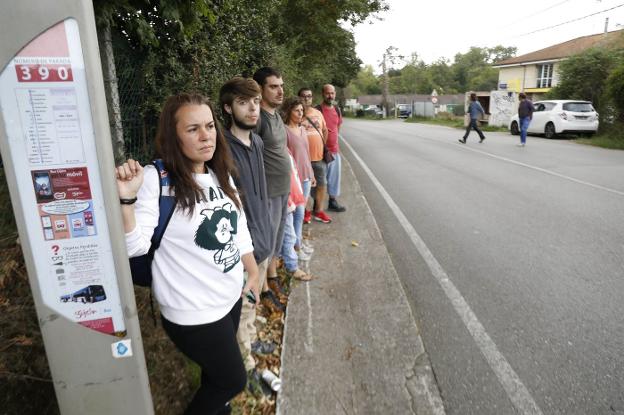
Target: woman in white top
[(198, 268)]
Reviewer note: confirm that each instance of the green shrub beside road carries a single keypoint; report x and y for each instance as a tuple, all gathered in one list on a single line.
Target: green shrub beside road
[(612, 137)]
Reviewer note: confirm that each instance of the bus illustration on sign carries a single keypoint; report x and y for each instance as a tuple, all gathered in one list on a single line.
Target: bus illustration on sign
[(89, 294)]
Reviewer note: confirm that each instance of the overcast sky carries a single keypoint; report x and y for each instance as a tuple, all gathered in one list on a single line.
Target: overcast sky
[(439, 28)]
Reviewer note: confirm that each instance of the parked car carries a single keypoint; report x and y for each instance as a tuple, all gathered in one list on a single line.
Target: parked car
[(554, 117), (373, 110), (404, 110)]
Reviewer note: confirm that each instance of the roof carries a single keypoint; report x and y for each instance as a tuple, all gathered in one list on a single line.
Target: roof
[(566, 49)]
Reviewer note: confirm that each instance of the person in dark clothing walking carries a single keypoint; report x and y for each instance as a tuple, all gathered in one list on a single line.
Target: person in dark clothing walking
[(474, 109), (525, 115)]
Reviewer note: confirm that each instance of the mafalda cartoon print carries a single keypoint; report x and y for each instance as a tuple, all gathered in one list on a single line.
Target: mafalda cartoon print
[(216, 233)]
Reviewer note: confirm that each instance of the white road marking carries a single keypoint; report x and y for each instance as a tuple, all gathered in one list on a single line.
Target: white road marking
[(540, 169), (309, 343), (511, 383)]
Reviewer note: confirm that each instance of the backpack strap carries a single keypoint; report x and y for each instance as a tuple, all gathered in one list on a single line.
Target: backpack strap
[(166, 205), (318, 107)]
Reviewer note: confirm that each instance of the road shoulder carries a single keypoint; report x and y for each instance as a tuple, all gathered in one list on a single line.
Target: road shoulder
[(351, 343)]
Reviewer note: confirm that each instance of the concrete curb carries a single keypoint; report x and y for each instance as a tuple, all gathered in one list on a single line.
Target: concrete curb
[(351, 343)]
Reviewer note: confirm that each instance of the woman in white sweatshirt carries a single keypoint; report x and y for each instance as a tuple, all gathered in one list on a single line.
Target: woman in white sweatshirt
[(198, 268)]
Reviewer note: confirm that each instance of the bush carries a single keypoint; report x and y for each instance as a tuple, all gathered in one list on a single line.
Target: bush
[(615, 91)]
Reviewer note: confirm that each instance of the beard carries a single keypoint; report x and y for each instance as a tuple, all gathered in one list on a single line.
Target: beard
[(242, 125)]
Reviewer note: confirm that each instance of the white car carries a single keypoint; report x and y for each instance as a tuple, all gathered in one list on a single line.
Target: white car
[(554, 117)]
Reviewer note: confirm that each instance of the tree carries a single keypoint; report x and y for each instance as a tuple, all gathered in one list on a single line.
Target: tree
[(583, 76), (615, 90), (499, 53), (441, 75), (365, 83), (320, 49)]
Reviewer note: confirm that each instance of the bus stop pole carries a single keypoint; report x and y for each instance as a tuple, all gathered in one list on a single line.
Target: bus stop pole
[(58, 159)]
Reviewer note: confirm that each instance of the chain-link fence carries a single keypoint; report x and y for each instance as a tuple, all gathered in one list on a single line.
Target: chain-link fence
[(139, 129)]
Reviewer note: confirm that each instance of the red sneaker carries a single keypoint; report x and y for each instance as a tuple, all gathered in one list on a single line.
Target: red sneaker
[(307, 217), (321, 217)]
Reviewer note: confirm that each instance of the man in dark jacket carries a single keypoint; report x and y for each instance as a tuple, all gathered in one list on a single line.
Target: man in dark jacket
[(474, 110), (525, 115), (240, 104)]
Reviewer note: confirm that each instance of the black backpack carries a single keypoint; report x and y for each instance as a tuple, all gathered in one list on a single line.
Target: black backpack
[(141, 266)]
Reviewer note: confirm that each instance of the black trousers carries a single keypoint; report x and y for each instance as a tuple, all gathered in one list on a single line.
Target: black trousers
[(214, 348), (475, 125)]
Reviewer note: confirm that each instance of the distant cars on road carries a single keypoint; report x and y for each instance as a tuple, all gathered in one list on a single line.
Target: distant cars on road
[(554, 117), (373, 110), (404, 110)]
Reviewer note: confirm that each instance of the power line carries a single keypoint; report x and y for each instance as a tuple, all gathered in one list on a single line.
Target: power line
[(542, 11), (570, 21)]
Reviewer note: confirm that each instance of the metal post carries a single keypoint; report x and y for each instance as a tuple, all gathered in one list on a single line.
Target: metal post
[(56, 148)]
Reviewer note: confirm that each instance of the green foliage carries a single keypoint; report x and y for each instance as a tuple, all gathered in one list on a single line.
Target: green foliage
[(365, 83), (583, 76), (610, 136), (167, 46), (615, 89), (473, 71), (469, 71), (319, 49)]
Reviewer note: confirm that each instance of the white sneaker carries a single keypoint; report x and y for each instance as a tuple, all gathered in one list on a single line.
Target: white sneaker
[(307, 249), (520, 145), (303, 256)]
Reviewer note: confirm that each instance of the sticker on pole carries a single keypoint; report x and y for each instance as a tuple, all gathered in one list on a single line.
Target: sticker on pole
[(122, 349)]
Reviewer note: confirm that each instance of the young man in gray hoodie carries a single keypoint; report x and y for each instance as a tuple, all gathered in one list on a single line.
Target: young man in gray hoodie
[(240, 104)]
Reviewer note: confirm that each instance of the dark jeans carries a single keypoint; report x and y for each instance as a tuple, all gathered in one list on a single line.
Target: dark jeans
[(473, 124), (214, 348)]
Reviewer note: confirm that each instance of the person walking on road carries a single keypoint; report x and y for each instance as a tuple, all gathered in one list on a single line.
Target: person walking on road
[(525, 115), (474, 110)]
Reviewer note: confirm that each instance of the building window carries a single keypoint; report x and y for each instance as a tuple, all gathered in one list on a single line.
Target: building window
[(544, 75)]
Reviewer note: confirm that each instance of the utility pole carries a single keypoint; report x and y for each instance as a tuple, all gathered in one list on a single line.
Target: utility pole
[(389, 57)]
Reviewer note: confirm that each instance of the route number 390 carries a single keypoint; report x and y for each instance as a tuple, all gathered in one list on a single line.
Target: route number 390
[(43, 73)]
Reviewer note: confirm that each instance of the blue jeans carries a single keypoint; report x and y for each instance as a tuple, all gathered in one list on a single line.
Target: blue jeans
[(300, 212), (524, 126), (333, 176), (289, 255)]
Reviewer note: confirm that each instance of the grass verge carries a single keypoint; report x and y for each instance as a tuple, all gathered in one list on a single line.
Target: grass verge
[(451, 121), (612, 139)]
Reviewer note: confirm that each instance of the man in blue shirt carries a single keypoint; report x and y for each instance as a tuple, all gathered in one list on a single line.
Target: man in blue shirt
[(474, 109)]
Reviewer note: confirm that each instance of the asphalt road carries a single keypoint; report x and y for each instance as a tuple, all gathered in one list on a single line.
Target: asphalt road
[(523, 312)]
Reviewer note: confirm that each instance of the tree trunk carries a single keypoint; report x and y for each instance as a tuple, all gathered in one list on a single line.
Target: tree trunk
[(112, 93)]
